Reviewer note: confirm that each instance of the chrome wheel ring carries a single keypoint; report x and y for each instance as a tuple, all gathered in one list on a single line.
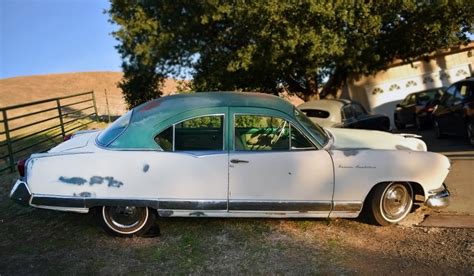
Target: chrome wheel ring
[(396, 202), (125, 219)]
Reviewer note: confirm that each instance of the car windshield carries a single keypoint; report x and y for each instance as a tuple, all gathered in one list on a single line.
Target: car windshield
[(316, 131), (430, 95), (109, 134)]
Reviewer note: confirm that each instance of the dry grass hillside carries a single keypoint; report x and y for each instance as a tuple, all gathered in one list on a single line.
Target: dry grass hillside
[(31, 88)]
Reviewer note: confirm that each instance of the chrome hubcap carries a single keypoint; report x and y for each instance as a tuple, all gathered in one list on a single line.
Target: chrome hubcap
[(395, 201), (125, 216)]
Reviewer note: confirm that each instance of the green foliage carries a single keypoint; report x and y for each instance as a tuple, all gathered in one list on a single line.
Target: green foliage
[(257, 121), (266, 45), (202, 122)]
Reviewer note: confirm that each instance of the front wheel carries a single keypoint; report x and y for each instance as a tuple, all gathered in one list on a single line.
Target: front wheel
[(390, 203), (127, 221)]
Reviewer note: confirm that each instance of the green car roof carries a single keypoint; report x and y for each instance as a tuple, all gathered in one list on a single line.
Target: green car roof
[(172, 105), (154, 116)]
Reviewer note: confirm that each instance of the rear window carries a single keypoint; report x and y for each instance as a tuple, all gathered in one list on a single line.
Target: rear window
[(316, 113), (111, 133)]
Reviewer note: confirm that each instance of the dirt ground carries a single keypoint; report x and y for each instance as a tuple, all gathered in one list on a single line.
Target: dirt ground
[(36, 241)]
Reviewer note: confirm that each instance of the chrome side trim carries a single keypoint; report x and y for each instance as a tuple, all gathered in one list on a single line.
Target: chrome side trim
[(192, 204), (285, 206), (347, 206)]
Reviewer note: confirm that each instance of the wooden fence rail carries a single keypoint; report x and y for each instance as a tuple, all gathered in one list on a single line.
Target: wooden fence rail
[(38, 125)]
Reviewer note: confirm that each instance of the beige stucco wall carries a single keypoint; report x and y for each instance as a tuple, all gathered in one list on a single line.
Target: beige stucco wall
[(381, 92)]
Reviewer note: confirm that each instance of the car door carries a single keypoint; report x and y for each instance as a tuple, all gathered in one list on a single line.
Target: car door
[(274, 169), (192, 167), (444, 112), (457, 110), (408, 110)]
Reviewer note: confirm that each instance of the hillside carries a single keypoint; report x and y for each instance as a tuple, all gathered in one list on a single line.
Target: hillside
[(31, 88)]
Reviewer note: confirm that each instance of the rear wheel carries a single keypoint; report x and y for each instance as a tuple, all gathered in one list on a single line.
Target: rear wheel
[(127, 221), (390, 202)]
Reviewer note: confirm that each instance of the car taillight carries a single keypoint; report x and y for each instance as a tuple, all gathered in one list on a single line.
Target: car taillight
[(430, 109), (20, 165)]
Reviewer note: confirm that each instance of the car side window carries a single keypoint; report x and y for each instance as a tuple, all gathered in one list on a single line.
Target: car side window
[(256, 132), (405, 101), (347, 112), (448, 97), (299, 141), (316, 113), (205, 133), (358, 110), (412, 100)]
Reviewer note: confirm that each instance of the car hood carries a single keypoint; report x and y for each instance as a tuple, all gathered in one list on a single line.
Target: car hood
[(371, 139)]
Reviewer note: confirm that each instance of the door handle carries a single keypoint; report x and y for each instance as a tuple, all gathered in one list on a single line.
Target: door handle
[(235, 161)]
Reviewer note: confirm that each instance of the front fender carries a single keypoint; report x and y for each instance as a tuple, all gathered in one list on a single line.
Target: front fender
[(357, 171)]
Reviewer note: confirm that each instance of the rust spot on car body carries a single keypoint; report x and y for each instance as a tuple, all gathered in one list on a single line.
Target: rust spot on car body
[(83, 194), (73, 180), (150, 105), (113, 182), (96, 180)]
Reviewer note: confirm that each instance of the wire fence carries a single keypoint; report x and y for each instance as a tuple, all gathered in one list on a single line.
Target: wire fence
[(37, 126)]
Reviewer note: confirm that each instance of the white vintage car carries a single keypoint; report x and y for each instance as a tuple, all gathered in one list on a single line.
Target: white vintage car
[(230, 155)]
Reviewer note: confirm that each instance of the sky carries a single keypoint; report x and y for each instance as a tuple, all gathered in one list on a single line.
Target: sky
[(55, 36)]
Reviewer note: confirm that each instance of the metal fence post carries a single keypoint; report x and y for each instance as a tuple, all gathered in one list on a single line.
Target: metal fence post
[(9, 142), (95, 107), (60, 113)]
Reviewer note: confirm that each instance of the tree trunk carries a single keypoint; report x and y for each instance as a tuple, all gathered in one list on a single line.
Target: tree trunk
[(312, 93), (334, 83)]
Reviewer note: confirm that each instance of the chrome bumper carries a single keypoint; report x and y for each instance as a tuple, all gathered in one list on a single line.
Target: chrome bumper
[(21, 193), (439, 199)]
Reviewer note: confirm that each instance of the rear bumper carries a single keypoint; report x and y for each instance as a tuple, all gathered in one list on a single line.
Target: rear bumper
[(440, 199), (21, 193)]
